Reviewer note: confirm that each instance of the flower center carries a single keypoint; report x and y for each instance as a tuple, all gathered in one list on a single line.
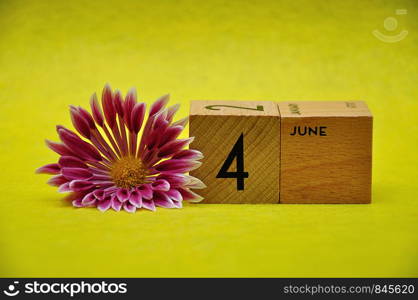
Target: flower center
[(128, 172)]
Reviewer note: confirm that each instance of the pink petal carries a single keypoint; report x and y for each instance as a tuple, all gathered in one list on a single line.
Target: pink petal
[(76, 173), (182, 122), (171, 111), (87, 117), (148, 204), (105, 204), (129, 207), (135, 198), (99, 194), (146, 191), (178, 204), (194, 183), (64, 188), (89, 199), (116, 204), (174, 179), (118, 102), (52, 169), (160, 185), (78, 146), (59, 148), (122, 194), (170, 134), (137, 116), (71, 162), (128, 106), (174, 195), (188, 154), (96, 110), (174, 147), (108, 106), (80, 123), (162, 200), (177, 165), (80, 185), (77, 203), (57, 180), (188, 195), (159, 104)]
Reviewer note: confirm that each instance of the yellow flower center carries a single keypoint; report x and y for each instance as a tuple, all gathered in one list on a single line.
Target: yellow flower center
[(128, 172)]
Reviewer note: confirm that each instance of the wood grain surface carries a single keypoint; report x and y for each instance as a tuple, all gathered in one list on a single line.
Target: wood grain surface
[(332, 167), (217, 127)]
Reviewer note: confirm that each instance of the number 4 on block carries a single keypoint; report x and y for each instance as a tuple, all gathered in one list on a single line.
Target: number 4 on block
[(240, 141)]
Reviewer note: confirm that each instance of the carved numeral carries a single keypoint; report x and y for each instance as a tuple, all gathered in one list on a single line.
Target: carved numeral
[(213, 107), (237, 153)]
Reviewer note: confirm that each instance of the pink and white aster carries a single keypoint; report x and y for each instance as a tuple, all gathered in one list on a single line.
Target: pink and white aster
[(122, 160)]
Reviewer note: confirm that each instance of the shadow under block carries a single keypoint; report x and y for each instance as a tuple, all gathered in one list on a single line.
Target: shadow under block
[(241, 147), (329, 157)]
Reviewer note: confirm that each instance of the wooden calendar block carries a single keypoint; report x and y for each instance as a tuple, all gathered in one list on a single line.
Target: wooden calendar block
[(240, 143), (326, 152)]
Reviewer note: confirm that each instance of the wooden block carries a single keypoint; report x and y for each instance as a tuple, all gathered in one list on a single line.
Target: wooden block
[(241, 144), (326, 152)]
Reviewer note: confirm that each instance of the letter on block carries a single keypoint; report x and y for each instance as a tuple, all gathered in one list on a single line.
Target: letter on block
[(326, 152), (241, 146)]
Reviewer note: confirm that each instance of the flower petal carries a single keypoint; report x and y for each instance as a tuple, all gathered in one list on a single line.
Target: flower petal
[(182, 122), (171, 111), (59, 148), (64, 188), (108, 106), (51, 169), (159, 104), (148, 204), (146, 191), (76, 173), (123, 194), (194, 183), (71, 162), (104, 204), (77, 203), (190, 196), (173, 147), (129, 207), (78, 146), (171, 133), (128, 106), (79, 122), (174, 195), (96, 110), (80, 185), (160, 185), (99, 194), (89, 199), (57, 180), (188, 154), (135, 198), (162, 200), (116, 204), (137, 116), (177, 165), (87, 116), (118, 102)]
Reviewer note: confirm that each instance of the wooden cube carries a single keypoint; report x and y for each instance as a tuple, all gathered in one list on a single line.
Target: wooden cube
[(326, 152), (241, 146)]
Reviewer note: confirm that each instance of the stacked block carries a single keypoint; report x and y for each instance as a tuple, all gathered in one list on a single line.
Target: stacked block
[(239, 141), (287, 152)]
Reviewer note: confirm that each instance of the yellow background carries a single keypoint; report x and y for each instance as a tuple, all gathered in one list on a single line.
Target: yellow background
[(53, 54)]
